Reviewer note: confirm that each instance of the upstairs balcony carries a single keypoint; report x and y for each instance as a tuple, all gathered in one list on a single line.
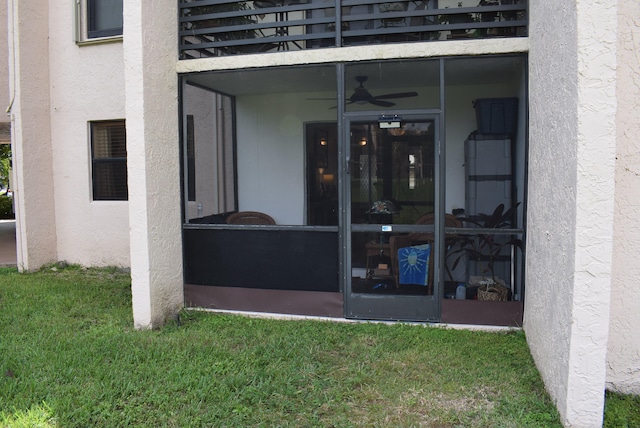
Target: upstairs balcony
[(210, 28)]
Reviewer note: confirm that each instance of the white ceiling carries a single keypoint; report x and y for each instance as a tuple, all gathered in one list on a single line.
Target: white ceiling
[(381, 75)]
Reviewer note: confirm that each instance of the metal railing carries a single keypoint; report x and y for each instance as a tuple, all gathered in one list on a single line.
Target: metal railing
[(221, 27)]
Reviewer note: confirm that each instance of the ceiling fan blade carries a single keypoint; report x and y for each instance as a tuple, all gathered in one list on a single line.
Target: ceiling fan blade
[(397, 95), (381, 103)]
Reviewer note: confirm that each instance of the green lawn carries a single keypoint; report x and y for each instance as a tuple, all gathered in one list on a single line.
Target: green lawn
[(69, 357)]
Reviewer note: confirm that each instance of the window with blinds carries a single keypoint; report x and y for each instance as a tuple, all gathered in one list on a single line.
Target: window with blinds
[(109, 160)]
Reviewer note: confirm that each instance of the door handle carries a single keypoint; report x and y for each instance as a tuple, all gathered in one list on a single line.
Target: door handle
[(350, 163)]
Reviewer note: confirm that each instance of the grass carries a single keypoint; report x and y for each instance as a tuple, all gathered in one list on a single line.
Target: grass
[(621, 411), (70, 358)]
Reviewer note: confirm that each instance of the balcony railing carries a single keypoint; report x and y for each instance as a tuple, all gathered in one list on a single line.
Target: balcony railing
[(221, 27)]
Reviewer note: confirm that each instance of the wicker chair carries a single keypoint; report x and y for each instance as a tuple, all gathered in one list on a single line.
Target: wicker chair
[(417, 238), (250, 217)]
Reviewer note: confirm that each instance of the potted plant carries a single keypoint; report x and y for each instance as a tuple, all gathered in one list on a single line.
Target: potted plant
[(487, 248)]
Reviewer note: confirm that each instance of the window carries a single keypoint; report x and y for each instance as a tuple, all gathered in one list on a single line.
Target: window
[(98, 21), (109, 160), (104, 18)]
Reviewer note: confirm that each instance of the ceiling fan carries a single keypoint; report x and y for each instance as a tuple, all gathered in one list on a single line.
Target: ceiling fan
[(362, 96)]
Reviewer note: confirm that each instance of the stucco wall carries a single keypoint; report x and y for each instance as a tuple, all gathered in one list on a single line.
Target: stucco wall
[(572, 150), (623, 358), (552, 182), (31, 134), (87, 84), (4, 62), (153, 160), (59, 88)]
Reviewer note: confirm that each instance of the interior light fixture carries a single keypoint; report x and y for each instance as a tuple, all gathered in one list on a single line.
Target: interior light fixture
[(322, 149), (363, 142), (327, 178)]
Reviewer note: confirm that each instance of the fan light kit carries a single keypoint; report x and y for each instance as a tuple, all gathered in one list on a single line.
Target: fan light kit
[(362, 96)]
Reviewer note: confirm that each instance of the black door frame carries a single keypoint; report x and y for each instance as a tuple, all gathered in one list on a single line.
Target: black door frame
[(391, 307)]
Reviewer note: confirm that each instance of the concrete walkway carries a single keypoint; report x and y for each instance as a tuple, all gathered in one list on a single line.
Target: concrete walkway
[(8, 243)]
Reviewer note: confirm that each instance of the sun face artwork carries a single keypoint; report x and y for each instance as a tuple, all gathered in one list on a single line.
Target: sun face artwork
[(414, 264)]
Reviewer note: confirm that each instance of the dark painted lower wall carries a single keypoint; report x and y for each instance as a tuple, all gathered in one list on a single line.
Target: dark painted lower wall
[(262, 258)]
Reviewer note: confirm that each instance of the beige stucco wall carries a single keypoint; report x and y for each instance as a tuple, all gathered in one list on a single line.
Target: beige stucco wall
[(623, 358), (60, 87), (570, 211), (150, 54), (87, 84), (4, 62), (31, 134), (357, 53)]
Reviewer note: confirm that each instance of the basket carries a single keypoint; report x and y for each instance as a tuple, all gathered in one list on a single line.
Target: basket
[(493, 292)]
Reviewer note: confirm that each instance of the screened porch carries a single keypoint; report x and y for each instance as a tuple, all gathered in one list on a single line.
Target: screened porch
[(378, 207)]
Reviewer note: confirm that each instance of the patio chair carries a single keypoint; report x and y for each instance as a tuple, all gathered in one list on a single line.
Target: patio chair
[(250, 217)]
